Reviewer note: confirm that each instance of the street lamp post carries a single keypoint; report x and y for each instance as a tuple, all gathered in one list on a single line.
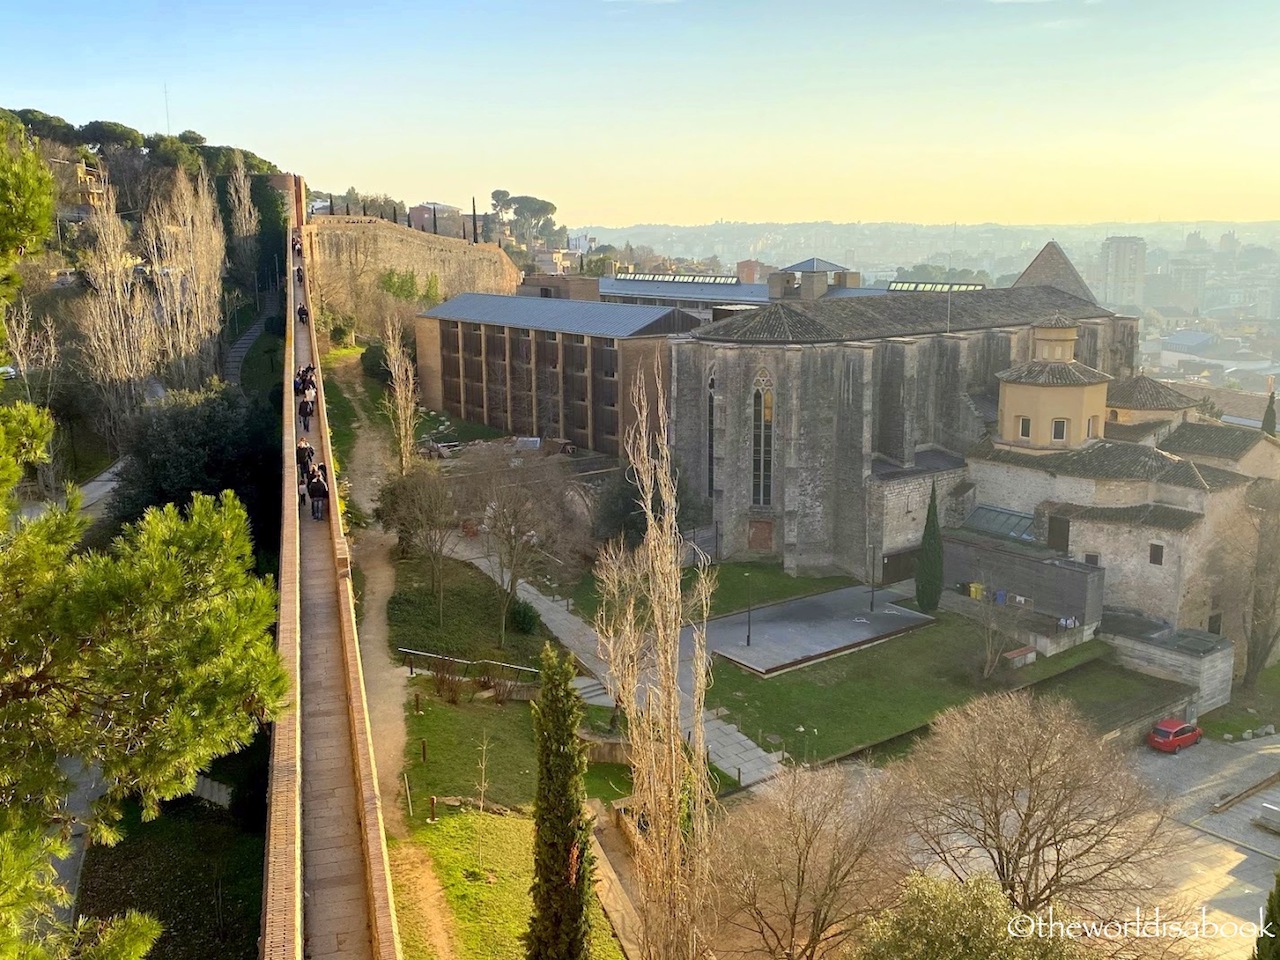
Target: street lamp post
[(747, 577)]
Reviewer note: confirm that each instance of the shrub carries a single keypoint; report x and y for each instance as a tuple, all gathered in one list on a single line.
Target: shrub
[(372, 362), (448, 680), (523, 617)]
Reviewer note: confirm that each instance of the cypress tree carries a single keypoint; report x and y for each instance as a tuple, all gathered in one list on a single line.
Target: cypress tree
[(929, 568), (1269, 418), (1268, 947), (562, 864)]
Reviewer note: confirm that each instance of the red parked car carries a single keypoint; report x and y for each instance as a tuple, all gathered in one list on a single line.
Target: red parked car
[(1172, 734)]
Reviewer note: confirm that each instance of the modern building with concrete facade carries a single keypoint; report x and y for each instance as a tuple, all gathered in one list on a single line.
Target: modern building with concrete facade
[(542, 366)]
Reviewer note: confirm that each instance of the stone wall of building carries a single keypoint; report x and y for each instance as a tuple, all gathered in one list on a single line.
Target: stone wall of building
[(1209, 674), (347, 255), (902, 505), (1023, 489)]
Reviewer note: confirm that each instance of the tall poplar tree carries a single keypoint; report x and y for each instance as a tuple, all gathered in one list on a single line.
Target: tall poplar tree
[(929, 567), (1269, 417), (560, 926)]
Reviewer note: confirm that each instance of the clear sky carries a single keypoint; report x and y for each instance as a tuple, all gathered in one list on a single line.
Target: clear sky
[(690, 111)]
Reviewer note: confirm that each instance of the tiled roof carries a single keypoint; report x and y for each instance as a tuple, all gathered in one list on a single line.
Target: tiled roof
[(1157, 515), (1211, 440), (898, 315), (1132, 432), (1056, 322), (813, 265), (1143, 393), (1232, 403), (1052, 268), (1115, 460), (586, 317), (1053, 373)]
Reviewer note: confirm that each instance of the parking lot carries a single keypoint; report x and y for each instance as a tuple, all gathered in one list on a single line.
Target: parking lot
[(1227, 864)]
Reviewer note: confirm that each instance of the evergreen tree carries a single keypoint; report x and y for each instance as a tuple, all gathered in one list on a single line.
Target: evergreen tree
[(146, 661), (1269, 418), (929, 568), (26, 197), (559, 927), (1268, 947)]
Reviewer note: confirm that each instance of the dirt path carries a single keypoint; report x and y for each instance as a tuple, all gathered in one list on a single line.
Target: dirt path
[(424, 915)]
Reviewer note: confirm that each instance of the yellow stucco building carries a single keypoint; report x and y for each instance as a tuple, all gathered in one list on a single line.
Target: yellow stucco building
[(1052, 402)]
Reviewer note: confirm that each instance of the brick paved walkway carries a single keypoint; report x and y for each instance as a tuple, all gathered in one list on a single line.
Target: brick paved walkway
[(335, 904)]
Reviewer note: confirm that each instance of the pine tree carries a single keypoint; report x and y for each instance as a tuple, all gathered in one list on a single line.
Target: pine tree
[(929, 568), (559, 926), (1268, 947), (1269, 418)]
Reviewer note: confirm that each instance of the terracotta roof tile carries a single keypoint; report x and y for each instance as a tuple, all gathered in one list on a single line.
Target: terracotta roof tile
[(1211, 440), (1159, 515), (1053, 373), (898, 315), (1116, 460), (1143, 393), (1052, 268)]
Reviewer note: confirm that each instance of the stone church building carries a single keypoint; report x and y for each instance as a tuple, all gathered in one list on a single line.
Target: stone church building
[(814, 431)]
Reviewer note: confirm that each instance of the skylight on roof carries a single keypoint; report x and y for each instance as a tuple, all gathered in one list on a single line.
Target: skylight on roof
[(680, 277)]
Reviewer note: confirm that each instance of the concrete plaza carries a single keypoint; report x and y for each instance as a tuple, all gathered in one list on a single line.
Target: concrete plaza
[(798, 632)]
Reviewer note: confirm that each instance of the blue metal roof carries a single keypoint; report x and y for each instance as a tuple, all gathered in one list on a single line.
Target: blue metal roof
[(685, 290), (813, 265), (1188, 338), (587, 317)]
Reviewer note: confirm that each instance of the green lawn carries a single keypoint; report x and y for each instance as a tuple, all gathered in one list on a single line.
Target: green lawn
[(261, 368), (871, 695), (1109, 695), (471, 621), (767, 583), (454, 733), (342, 421), (194, 870), (239, 321), (1235, 718), (485, 864)]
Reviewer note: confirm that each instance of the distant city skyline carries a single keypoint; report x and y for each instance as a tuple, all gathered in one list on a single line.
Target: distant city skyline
[(692, 111)]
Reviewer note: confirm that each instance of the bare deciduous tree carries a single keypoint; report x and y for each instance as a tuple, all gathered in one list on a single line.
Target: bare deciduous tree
[(800, 866), (527, 507), (119, 345), (244, 224), (1024, 789), (422, 510), (998, 624), (183, 239), (644, 605), (401, 400), (33, 343)]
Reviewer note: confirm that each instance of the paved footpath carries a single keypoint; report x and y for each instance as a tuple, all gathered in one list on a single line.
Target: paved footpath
[(335, 908), (731, 750)]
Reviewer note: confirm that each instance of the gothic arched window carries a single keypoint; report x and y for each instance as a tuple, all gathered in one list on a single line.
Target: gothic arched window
[(762, 440), (711, 435)]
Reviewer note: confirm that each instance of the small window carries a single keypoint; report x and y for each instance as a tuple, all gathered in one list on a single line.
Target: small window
[(1156, 555), (1114, 415), (1093, 559), (1088, 427), (1059, 429), (1215, 624), (1024, 428)]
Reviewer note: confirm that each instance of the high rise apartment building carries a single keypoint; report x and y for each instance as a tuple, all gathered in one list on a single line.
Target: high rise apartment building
[(1123, 264)]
